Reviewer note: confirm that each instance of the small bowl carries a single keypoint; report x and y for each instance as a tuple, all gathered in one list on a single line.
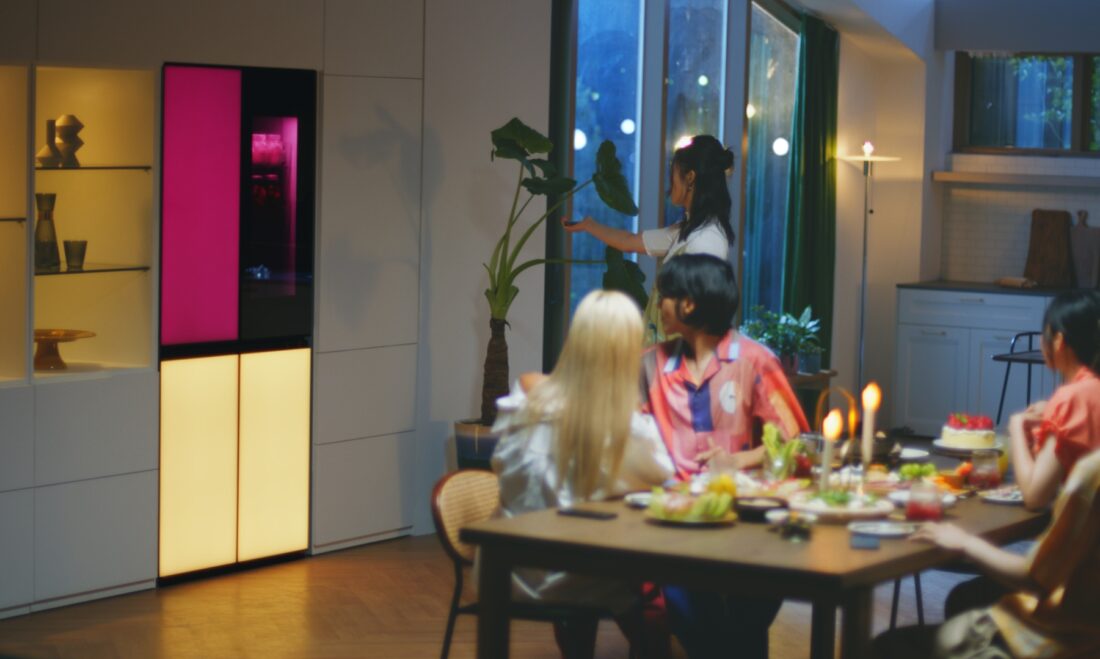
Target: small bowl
[(756, 509)]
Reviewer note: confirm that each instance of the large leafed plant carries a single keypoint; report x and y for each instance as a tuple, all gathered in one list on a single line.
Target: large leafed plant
[(536, 176)]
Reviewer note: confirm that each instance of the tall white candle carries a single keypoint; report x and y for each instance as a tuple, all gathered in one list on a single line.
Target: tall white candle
[(831, 430), (872, 396)]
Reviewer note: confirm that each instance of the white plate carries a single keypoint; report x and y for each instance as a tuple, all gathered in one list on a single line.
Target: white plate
[(827, 513), (884, 529), (638, 499), (901, 497), (1009, 495), (913, 454), (939, 447)]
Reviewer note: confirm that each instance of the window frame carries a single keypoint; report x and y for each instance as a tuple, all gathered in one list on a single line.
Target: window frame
[(1079, 121)]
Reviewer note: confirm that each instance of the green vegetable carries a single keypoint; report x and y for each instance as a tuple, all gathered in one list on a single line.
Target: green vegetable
[(909, 472), (778, 450)]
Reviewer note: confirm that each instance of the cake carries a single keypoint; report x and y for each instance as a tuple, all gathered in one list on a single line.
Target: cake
[(968, 431)]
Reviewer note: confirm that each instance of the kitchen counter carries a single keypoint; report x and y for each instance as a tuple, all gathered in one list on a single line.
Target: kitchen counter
[(981, 287)]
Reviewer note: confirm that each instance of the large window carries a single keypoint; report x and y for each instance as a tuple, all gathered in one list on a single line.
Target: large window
[(605, 108), (1030, 103), (773, 74)]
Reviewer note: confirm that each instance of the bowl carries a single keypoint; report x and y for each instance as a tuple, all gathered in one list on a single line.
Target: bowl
[(756, 509)]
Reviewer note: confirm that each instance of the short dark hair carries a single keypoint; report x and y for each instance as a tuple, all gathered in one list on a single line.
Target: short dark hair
[(709, 282), (1076, 314)]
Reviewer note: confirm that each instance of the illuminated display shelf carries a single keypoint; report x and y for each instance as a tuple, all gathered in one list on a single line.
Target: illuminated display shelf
[(136, 168), (94, 268)]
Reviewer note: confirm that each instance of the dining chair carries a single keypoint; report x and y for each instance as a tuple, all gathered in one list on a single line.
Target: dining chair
[(472, 495), (1029, 358)]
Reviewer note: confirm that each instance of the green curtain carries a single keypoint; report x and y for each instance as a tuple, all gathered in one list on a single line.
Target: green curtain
[(811, 213)]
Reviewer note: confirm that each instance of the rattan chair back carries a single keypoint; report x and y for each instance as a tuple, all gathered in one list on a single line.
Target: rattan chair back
[(461, 498)]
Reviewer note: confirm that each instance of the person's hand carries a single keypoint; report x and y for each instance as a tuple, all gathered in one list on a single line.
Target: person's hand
[(944, 535), (1036, 409), (579, 226), (714, 452)]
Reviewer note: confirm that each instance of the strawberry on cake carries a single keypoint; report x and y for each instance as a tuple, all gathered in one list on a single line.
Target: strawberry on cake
[(968, 431)]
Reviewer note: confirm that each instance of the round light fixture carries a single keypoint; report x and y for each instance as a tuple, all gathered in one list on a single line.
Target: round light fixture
[(781, 146)]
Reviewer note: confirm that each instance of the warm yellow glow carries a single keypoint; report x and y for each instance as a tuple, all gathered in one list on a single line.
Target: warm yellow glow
[(868, 149), (872, 397), (198, 463), (833, 424), (750, 110), (274, 450)]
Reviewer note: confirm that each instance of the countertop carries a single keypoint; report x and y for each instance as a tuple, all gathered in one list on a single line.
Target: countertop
[(981, 287)]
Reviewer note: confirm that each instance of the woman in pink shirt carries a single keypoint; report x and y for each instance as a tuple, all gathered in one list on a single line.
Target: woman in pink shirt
[(1049, 437)]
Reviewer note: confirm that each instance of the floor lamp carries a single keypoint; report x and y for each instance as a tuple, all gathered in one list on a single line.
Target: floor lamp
[(868, 160)]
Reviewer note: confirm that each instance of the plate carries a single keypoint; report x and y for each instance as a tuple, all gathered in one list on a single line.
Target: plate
[(955, 452), (913, 454), (836, 514), (729, 518), (1009, 495), (901, 497), (884, 529), (638, 499)]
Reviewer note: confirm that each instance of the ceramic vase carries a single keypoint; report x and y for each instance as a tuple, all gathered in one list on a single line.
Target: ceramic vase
[(47, 258), (49, 155), (67, 139)]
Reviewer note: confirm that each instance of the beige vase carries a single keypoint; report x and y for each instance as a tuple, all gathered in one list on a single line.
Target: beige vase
[(68, 142)]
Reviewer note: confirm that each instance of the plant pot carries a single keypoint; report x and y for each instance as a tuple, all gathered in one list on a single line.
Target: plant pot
[(809, 362), (474, 444), (789, 364)]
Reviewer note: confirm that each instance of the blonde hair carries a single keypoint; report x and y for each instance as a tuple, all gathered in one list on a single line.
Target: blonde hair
[(592, 393)]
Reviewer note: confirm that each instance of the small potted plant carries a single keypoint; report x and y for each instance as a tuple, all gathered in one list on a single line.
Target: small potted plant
[(793, 339), (534, 177)]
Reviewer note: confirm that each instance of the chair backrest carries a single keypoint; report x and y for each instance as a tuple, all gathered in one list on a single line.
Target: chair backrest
[(459, 499)]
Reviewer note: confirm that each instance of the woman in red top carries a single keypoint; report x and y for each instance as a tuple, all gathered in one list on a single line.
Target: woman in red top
[(1049, 437)]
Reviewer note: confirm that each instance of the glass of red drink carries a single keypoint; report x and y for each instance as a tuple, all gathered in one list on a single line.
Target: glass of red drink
[(986, 474), (925, 503)]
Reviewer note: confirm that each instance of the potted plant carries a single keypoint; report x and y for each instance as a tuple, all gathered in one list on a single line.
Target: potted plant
[(793, 339), (535, 177)]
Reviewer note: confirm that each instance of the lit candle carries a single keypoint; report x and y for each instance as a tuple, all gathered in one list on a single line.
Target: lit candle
[(831, 429), (872, 396)]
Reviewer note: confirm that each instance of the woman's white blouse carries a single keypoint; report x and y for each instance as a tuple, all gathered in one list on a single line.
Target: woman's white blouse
[(707, 239)]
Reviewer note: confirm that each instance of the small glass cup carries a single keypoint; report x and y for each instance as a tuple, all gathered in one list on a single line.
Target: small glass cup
[(925, 503), (986, 473), (74, 254)]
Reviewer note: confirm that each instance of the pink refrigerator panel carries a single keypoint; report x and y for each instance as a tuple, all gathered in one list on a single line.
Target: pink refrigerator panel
[(201, 205)]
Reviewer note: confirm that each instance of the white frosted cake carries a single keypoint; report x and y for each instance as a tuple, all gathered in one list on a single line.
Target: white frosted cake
[(968, 432)]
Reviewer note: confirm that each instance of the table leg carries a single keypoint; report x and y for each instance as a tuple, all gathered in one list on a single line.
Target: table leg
[(855, 634), (823, 631), (494, 594)]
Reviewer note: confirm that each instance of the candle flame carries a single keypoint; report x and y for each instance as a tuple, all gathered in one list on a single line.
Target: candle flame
[(832, 425), (872, 396), (868, 149)]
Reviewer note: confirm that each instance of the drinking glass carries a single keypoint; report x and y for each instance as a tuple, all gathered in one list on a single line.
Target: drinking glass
[(986, 474), (925, 502)]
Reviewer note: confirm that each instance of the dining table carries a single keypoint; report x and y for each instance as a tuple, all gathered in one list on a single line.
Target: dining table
[(741, 558)]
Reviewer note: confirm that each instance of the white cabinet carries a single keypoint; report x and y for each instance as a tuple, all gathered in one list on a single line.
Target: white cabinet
[(945, 348), (16, 551)]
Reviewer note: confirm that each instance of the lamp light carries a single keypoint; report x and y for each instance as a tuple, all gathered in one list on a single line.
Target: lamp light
[(868, 159)]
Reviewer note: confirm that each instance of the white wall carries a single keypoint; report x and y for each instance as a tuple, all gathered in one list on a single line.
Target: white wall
[(484, 63), (1060, 26), (881, 99)]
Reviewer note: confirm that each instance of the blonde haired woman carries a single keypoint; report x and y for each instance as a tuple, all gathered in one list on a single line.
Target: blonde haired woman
[(576, 435)]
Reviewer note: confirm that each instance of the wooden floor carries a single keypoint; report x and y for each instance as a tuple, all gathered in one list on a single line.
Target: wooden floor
[(387, 600)]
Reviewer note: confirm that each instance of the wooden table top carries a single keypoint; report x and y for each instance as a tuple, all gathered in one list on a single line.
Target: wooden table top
[(825, 563)]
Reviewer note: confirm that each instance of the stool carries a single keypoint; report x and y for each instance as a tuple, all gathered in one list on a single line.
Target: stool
[(1029, 357)]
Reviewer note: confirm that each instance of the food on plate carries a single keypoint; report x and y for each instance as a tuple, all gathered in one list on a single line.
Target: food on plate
[(756, 508), (723, 483), (845, 499), (968, 431), (912, 471), (682, 506)]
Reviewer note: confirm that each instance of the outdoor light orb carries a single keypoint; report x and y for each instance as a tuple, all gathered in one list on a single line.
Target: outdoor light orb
[(703, 81), (781, 146), (627, 126), (750, 110), (580, 140), (683, 141)]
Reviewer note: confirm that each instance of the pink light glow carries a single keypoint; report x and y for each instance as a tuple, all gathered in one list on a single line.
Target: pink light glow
[(268, 131), (201, 196)]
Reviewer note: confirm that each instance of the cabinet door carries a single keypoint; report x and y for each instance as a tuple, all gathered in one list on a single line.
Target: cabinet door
[(987, 377), (16, 549), (274, 453), (16, 438), (198, 463), (932, 377)]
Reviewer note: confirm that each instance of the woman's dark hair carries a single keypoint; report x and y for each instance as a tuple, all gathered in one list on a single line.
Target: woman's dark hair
[(709, 282), (706, 156), (1076, 314)]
